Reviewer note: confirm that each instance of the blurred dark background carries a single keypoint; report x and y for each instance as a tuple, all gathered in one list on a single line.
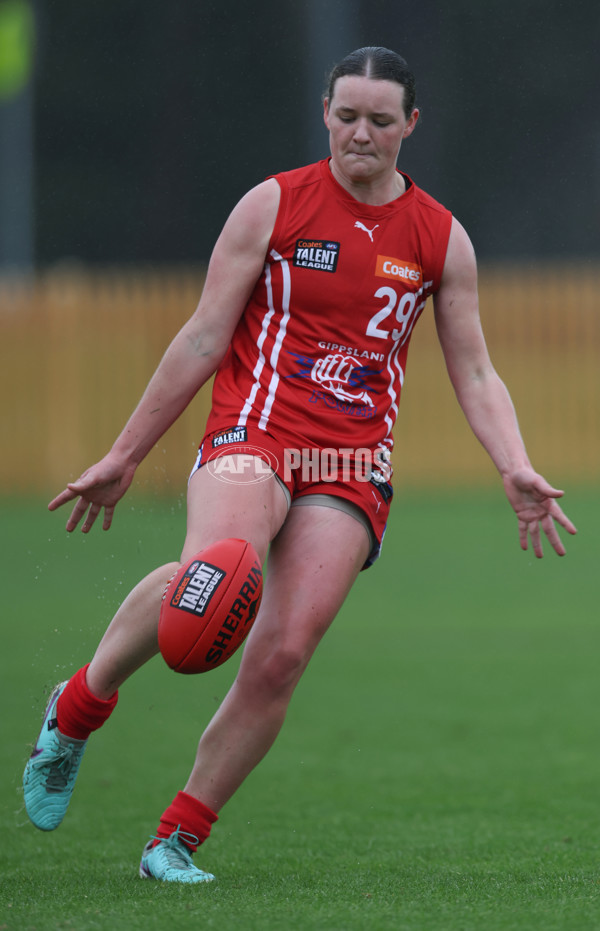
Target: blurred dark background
[(143, 123)]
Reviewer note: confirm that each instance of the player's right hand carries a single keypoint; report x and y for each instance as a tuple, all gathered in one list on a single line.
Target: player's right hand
[(101, 486)]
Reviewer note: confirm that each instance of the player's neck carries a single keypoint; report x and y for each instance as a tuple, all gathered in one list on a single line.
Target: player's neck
[(371, 191)]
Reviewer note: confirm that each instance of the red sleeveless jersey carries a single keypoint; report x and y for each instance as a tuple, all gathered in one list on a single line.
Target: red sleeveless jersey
[(319, 354)]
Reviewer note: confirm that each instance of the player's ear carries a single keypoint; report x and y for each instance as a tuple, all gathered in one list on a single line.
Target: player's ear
[(411, 123), (326, 111)]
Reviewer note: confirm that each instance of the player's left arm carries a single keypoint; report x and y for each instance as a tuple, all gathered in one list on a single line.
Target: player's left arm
[(485, 400)]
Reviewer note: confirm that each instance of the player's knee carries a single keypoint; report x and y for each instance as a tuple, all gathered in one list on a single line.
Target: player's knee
[(278, 672), (283, 669)]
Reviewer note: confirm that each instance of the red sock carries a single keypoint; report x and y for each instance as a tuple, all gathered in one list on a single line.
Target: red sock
[(79, 711), (189, 814)]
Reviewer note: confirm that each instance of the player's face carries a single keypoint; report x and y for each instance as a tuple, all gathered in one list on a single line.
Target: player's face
[(367, 123)]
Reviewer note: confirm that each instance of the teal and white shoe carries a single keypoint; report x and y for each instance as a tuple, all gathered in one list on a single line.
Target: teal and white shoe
[(171, 860), (50, 774)]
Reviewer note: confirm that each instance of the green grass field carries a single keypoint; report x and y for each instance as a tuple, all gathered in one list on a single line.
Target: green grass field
[(439, 769)]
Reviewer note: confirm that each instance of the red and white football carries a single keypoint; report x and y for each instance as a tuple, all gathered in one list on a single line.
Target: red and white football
[(209, 606)]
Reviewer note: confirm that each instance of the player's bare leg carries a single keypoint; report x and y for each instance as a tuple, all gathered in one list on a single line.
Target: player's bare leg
[(76, 708), (216, 510), (132, 636), (249, 509), (312, 565)]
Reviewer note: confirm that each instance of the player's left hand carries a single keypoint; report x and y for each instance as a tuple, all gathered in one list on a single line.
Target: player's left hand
[(534, 503)]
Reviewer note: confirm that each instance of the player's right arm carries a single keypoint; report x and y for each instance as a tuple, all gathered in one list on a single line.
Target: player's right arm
[(190, 360)]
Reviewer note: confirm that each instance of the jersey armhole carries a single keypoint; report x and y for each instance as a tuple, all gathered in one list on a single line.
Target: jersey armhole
[(442, 252), (281, 210)]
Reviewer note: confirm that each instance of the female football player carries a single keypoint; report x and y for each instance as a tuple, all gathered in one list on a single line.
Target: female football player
[(312, 293)]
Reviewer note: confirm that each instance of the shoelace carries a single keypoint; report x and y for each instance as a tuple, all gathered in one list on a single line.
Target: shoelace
[(60, 766), (175, 850)]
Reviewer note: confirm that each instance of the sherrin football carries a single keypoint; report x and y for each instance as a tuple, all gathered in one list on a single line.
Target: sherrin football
[(209, 606)]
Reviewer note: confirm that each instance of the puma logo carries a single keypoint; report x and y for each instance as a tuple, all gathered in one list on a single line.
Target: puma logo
[(361, 226)]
